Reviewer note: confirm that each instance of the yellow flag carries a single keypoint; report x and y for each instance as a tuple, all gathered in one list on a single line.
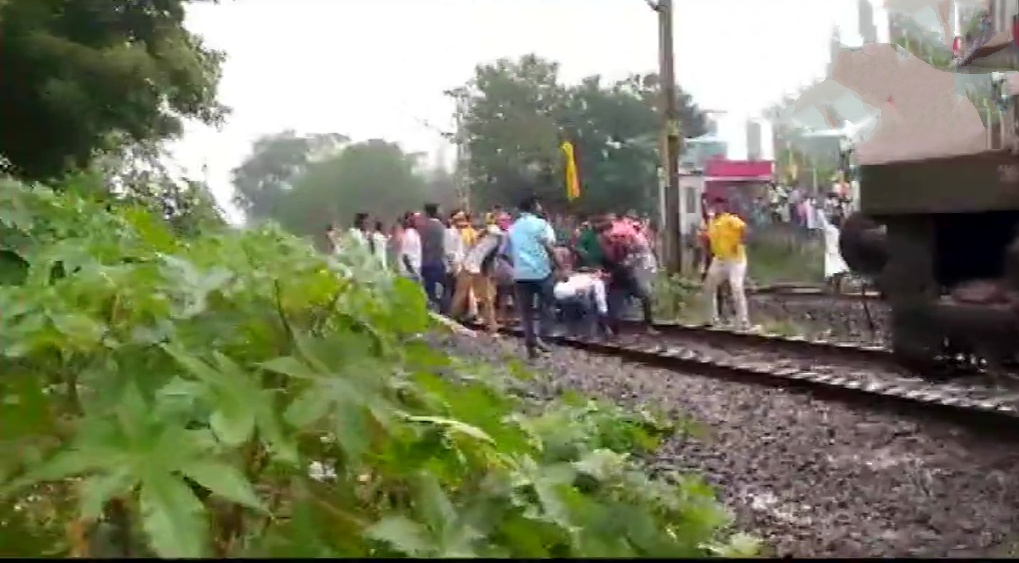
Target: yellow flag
[(792, 171), (572, 180)]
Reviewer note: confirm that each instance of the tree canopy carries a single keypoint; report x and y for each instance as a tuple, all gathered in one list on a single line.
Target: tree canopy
[(81, 77), (275, 163), (305, 183), (514, 114)]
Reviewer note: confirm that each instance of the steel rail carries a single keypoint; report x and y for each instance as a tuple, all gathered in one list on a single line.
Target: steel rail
[(813, 292), (795, 344), (946, 398)]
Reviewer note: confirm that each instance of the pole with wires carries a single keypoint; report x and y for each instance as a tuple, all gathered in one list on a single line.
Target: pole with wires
[(463, 185), (671, 139)]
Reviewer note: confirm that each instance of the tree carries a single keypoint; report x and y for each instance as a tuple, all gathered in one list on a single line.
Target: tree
[(509, 116), (275, 162), (442, 188), (514, 115), (615, 130), (81, 75), (375, 177)]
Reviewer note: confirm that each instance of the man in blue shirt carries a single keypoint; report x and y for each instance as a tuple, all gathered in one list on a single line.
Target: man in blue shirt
[(530, 249)]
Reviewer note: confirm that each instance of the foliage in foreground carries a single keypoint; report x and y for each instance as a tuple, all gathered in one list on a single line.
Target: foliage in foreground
[(237, 394)]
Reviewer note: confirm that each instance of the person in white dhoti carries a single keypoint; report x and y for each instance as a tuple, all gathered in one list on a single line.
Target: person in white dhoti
[(835, 267)]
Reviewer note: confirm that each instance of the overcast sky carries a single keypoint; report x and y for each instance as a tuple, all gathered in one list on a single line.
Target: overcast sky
[(377, 68)]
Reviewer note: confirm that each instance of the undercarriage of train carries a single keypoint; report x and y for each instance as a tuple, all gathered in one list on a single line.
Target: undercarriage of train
[(940, 239)]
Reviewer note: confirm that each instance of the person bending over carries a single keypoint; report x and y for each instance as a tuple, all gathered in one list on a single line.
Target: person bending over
[(582, 298), (623, 259)]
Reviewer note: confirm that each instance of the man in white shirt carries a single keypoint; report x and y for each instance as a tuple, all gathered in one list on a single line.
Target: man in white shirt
[(454, 253), (354, 237), (835, 267), (410, 249), (582, 298), (358, 231), (377, 242)]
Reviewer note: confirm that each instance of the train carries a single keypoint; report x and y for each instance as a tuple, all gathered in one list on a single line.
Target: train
[(937, 226)]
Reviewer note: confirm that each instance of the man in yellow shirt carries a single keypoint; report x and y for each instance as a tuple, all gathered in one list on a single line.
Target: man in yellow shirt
[(727, 241)]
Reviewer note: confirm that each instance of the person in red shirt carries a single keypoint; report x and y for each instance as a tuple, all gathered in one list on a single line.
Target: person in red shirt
[(623, 250)]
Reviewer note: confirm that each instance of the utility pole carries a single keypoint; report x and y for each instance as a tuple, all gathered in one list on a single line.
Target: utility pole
[(463, 185), (672, 141)]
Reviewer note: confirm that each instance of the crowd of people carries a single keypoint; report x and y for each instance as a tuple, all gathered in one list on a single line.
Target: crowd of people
[(584, 276), (798, 206)]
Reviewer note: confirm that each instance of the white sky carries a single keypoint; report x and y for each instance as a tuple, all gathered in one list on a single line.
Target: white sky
[(377, 68)]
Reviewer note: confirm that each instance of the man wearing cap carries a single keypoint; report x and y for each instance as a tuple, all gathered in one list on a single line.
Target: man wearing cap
[(726, 235)]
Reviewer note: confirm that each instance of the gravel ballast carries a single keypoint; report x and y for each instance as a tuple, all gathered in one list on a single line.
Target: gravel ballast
[(813, 478), (838, 320)]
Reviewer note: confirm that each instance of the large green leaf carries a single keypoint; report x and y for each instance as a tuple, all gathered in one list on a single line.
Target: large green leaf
[(196, 380), (173, 517), (223, 480)]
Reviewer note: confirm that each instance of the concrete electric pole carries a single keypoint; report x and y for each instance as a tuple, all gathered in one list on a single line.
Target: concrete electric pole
[(672, 253)]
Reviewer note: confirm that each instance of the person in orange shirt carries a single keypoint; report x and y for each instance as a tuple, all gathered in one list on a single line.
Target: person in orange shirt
[(726, 234)]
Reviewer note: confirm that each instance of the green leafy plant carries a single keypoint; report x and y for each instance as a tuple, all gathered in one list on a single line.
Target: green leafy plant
[(773, 260), (238, 394), (676, 298)]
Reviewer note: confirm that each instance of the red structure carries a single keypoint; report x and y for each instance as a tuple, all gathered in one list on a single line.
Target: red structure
[(741, 182)]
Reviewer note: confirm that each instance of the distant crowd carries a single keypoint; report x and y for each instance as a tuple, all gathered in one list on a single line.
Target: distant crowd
[(798, 206)]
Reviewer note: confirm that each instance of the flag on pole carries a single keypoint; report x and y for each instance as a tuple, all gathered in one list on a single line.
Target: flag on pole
[(572, 180)]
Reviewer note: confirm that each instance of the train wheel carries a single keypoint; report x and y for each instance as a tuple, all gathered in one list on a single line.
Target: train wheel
[(919, 349), (863, 245)]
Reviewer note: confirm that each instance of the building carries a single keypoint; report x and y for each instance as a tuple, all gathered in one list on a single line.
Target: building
[(965, 15), (865, 23), (834, 47), (898, 27), (755, 148), (698, 150), (902, 26)]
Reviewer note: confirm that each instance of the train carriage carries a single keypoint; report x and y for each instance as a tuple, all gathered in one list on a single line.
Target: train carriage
[(938, 224)]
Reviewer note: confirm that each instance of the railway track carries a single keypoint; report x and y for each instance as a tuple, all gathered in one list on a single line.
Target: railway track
[(792, 291), (841, 371)]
